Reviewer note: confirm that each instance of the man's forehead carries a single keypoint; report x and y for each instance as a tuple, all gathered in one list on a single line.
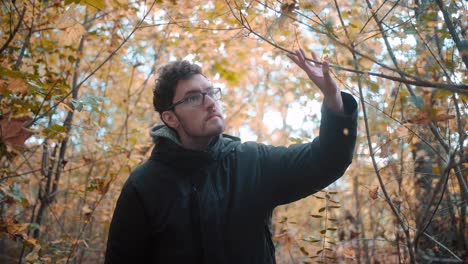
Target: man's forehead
[(197, 83)]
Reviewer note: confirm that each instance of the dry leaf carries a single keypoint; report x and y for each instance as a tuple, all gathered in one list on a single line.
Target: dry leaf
[(402, 131), (373, 193), (67, 19), (71, 35), (33, 255), (30, 242), (397, 200), (101, 185), (71, 29), (354, 235), (443, 117), (349, 253), (98, 4), (87, 211), (384, 150), (13, 228), (14, 85), (13, 131), (422, 118), (65, 107)]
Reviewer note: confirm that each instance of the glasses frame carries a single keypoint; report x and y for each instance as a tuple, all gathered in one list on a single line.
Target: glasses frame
[(214, 90)]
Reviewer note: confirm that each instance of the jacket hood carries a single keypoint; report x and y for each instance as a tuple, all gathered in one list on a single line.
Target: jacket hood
[(169, 150)]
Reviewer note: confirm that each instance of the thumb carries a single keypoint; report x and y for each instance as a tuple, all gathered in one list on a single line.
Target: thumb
[(326, 71)]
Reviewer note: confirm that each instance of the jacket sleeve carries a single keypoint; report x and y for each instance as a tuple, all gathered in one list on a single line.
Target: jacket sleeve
[(289, 174), (129, 238)]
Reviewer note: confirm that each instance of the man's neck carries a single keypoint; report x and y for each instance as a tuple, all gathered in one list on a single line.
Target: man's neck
[(197, 143)]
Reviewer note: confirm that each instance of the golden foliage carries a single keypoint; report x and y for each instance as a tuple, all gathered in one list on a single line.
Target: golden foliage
[(94, 102)]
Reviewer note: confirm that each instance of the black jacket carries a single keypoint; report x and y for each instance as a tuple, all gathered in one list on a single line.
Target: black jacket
[(185, 206)]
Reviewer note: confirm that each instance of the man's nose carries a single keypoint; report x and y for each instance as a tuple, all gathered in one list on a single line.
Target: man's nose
[(209, 101)]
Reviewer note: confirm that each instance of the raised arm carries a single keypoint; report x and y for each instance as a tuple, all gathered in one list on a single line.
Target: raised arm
[(291, 173)]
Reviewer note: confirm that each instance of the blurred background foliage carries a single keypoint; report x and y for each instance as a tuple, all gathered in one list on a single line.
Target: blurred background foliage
[(76, 80)]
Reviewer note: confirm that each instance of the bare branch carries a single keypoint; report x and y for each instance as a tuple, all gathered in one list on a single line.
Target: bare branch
[(15, 30), (456, 88), (440, 188), (453, 32)]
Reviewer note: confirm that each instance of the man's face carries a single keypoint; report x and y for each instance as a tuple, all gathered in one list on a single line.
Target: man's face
[(196, 123)]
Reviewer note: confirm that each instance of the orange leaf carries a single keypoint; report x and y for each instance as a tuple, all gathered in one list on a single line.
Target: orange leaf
[(30, 242), (373, 193), (443, 117)]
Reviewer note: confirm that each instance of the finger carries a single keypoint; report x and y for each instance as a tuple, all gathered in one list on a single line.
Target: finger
[(300, 55), (293, 58), (303, 55), (326, 71), (314, 56)]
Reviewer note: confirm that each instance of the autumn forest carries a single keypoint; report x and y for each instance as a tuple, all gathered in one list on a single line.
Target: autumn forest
[(76, 82)]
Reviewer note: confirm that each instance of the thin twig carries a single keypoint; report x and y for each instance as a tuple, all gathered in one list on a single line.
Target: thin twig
[(15, 30), (400, 220), (93, 71), (441, 186), (457, 88), (453, 32)]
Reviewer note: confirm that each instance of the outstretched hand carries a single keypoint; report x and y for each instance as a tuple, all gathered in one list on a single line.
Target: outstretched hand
[(320, 75)]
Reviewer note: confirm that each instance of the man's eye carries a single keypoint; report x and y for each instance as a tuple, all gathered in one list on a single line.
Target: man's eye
[(193, 99)]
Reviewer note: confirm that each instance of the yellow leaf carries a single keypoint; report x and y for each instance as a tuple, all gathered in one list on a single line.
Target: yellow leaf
[(98, 4)]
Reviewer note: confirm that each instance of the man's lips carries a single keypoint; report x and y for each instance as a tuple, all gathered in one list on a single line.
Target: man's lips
[(214, 115)]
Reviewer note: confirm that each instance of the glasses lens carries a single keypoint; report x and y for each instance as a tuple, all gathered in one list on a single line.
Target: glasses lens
[(194, 100), (215, 93)]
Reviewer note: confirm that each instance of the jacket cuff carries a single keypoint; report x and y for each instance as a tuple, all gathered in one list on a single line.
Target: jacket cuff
[(347, 119)]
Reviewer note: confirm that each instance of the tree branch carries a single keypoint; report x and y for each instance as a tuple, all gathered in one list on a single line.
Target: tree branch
[(15, 30), (453, 32), (456, 88), (389, 201)]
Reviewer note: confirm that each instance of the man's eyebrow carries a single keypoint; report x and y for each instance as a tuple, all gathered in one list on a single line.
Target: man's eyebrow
[(197, 90)]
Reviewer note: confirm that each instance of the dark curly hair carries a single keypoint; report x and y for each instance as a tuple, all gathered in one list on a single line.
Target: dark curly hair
[(169, 76)]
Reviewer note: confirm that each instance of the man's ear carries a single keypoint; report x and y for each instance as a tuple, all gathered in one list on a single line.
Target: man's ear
[(170, 119)]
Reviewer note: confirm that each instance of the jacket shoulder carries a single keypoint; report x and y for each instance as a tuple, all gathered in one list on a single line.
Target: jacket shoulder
[(144, 175)]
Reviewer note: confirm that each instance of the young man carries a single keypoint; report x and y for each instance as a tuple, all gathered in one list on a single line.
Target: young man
[(204, 197)]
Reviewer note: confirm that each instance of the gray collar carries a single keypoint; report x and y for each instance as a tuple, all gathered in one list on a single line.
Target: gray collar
[(162, 131)]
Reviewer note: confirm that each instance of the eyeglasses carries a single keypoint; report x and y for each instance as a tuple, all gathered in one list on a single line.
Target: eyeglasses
[(198, 98)]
